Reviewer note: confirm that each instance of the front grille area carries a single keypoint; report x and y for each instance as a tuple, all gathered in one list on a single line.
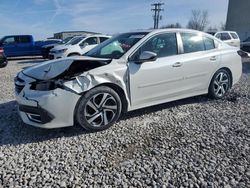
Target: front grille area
[(51, 56), (19, 84)]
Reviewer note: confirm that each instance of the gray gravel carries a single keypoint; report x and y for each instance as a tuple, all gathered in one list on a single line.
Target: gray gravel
[(194, 142)]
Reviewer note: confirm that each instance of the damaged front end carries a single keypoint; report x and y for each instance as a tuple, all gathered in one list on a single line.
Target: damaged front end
[(47, 94)]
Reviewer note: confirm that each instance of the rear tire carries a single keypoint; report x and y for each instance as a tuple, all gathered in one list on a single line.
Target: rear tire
[(98, 109), (220, 84)]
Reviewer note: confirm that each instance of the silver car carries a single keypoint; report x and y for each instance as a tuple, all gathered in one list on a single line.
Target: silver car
[(127, 72)]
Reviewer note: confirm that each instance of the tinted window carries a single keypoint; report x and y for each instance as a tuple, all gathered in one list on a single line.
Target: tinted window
[(91, 41), (234, 35), (225, 36), (163, 45), (209, 43), (9, 40), (192, 42), (24, 39), (102, 39)]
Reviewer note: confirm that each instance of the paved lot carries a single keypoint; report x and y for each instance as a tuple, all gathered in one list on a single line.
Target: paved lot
[(194, 142)]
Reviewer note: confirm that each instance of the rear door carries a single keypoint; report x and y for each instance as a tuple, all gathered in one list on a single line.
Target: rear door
[(199, 60), (25, 46)]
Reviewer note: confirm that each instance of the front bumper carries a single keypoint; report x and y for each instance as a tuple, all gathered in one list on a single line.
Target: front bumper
[(47, 109), (56, 55)]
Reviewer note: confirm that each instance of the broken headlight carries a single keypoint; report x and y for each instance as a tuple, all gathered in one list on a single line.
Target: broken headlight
[(46, 85)]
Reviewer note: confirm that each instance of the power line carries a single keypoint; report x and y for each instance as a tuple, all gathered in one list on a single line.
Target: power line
[(157, 10)]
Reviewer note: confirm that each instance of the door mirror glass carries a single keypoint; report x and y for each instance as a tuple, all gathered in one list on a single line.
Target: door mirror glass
[(147, 56)]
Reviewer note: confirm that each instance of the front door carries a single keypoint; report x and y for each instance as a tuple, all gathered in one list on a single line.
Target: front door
[(155, 81)]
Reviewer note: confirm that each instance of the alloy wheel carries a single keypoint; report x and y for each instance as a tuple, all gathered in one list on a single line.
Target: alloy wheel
[(100, 109), (221, 84)]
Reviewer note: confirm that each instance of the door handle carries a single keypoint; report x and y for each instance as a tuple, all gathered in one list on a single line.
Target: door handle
[(213, 58), (177, 64)]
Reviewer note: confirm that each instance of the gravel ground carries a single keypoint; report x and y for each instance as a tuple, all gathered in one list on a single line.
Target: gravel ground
[(194, 142)]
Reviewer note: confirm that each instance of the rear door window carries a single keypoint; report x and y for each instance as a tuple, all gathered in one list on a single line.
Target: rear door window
[(209, 43), (225, 36), (24, 39), (102, 39), (192, 42), (91, 41)]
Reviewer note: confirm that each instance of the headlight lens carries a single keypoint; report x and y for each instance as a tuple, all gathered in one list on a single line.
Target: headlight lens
[(61, 51)]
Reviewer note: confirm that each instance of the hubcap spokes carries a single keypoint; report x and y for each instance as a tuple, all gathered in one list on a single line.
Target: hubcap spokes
[(221, 84), (101, 109)]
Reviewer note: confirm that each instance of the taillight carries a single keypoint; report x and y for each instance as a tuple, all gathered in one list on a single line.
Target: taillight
[(1, 50), (242, 54)]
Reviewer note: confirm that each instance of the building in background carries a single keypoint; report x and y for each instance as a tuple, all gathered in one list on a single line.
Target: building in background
[(238, 17), (65, 34)]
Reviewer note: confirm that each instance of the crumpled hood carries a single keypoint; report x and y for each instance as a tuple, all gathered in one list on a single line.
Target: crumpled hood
[(51, 69)]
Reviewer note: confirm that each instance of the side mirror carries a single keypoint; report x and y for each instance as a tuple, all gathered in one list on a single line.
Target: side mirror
[(147, 56)]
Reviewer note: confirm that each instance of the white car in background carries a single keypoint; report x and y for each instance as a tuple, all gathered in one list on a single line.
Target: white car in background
[(229, 37), (127, 72), (78, 46)]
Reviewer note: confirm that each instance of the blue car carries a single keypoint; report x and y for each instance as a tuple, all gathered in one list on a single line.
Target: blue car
[(23, 45)]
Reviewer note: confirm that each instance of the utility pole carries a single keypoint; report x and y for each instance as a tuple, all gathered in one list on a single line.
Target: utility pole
[(157, 17)]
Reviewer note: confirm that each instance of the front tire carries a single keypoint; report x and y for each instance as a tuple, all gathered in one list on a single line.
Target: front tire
[(98, 109), (220, 84)]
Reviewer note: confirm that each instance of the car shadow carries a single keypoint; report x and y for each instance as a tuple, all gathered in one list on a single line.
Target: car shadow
[(24, 58), (14, 132), (246, 67), (31, 62)]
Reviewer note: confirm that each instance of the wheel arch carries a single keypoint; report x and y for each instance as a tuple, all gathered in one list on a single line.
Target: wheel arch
[(120, 92), (73, 53), (117, 89)]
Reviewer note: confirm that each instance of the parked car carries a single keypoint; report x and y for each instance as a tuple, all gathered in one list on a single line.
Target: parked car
[(245, 45), (127, 72), (23, 45), (229, 37), (77, 46), (3, 59), (46, 49)]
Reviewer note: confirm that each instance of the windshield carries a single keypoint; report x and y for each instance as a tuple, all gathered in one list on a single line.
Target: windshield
[(65, 41), (117, 46), (75, 40)]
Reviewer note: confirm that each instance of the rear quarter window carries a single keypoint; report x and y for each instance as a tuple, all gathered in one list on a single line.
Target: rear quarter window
[(234, 35)]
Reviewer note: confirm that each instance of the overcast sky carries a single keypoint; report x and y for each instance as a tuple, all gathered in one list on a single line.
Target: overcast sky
[(42, 18)]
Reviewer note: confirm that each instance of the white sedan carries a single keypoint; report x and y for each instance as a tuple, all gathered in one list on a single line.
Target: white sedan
[(77, 46), (127, 72)]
